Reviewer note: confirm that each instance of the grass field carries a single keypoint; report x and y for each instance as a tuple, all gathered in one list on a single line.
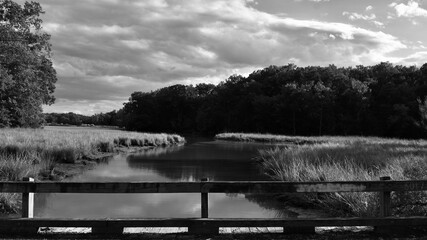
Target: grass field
[(346, 159), (33, 152)]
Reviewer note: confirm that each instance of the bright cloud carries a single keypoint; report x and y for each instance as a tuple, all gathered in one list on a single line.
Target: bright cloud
[(411, 9), (356, 16)]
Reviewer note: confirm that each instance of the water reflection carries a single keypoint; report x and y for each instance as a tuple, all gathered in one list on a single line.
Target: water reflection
[(157, 151), (217, 160)]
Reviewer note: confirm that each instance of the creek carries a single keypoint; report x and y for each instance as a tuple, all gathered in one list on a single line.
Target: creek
[(198, 158)]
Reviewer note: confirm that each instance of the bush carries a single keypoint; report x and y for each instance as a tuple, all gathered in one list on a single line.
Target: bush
[(134, 142), (105, 147), (124, 142)]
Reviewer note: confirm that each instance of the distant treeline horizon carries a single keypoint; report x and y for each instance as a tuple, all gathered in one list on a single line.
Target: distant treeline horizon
[(382, 100)]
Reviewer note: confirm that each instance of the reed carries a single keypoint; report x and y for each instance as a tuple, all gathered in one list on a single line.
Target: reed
[(352, 159), (34, 152)]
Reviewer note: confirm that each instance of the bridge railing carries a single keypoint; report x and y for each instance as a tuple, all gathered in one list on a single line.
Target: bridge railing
[(204, 224)]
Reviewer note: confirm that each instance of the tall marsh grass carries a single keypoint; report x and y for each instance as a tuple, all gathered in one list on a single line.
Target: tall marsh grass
[(352, 159), (32, 152)]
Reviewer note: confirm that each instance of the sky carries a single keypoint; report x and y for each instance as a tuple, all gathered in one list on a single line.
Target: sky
[(104, 50)]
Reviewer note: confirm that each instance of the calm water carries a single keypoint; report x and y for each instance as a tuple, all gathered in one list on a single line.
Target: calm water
[(217, 160)]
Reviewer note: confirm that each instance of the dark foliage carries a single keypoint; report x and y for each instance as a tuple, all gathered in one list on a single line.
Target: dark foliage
[(112, 118), (27, 77), (381, 100)]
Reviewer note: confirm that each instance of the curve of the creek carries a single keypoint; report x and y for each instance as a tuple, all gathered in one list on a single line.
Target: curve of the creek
[(198, 158)]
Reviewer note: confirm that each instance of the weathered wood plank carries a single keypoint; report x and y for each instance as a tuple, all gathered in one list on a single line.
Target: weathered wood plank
[(213, 222), (307, 187), (213, 187), (101, 187), (385, 200), (27, 204), (204, 202)]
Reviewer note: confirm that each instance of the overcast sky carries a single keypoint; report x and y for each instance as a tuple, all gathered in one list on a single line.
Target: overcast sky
[(103, 50)]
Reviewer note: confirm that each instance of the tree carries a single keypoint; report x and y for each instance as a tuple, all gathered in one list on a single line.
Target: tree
[(27, 77)]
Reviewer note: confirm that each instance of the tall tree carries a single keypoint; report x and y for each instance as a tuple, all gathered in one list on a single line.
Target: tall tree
[(27, 77)]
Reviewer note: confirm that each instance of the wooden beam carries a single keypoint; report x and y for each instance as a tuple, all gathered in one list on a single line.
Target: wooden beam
[(385, 200), (101, 187), (27, 206), (204, 201), (214, 222), (212, 187), (385, 207)]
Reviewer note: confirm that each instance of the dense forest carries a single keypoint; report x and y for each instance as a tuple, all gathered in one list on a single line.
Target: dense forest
[(380, 100)]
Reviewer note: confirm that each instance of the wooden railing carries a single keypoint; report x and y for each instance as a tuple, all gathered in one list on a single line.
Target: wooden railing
[(205, 225)]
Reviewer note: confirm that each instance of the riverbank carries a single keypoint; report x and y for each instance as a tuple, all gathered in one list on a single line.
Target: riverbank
[(55, 153), (304, 159)]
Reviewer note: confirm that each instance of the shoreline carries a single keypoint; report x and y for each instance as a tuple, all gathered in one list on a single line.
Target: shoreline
[(339, 158), (64, 171), (58, 153)]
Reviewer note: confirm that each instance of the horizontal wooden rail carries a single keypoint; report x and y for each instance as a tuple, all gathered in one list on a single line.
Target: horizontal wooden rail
[(205, 225), (212, 187), (215, 222), (25, 226)]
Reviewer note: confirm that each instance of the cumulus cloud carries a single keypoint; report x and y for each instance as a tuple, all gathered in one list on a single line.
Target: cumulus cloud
[(106, 49), (411, 9)]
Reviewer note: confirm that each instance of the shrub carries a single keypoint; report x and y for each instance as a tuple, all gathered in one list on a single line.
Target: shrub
[(134, 142), (124, 142), (105, 147)]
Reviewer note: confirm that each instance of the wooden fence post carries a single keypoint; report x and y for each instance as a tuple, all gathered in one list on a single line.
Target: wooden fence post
[(203, 228), (385, 200), (27, 208), (205, 201), (28, 201), (385, 207)]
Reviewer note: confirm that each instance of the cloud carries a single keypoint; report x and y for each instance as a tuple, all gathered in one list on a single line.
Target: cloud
[(378, 24), (356, 16), (410, 10), (418, 59), (370, 18), (106, 49)]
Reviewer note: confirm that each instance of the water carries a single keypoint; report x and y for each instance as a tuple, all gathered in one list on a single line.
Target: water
[(216, 160)]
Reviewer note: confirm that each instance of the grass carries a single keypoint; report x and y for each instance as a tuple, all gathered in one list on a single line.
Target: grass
[(269, 138), (303, 159), (34, 152)]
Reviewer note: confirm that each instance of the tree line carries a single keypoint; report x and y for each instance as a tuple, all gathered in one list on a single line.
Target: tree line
[(380, 100), (101, 119)]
